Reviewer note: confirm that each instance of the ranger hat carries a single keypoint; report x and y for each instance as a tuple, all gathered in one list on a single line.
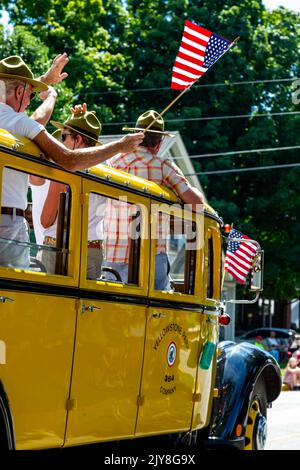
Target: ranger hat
[(85, 123), (57, 134), (150, 117), (15, 68)]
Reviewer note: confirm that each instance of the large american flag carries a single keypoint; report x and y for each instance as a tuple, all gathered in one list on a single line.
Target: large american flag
[(239, 256), (198, 51)]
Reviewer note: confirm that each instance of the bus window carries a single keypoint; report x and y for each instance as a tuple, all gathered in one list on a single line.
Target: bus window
[(113, 240), (34, 230), (175, 258)]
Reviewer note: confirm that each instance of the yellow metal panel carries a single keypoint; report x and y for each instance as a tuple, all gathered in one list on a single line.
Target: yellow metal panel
[(106, 373), (205, 377), (38, 331), (169, 371)]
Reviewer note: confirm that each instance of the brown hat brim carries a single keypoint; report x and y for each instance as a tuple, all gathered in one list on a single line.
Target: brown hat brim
[(61, 126), (130, 129), (37, 85)]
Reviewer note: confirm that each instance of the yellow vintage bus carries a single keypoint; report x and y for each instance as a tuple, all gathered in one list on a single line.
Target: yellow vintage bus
[(95, 360)]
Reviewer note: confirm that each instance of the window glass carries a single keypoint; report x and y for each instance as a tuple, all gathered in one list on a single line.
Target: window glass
[(113, 240), (34, 226), (175, 257)]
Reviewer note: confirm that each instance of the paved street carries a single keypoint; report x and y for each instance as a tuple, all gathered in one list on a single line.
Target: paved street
[(284, 422)]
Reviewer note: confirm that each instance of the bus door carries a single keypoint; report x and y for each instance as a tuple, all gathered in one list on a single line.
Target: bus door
[(173, 323), (209, 321), (111, 321), (37, 309)]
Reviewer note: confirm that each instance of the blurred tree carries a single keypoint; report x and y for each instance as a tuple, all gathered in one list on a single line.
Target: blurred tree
[(90, 31)]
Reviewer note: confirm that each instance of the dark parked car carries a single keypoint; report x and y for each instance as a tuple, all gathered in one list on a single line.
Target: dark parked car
[(285, 336)]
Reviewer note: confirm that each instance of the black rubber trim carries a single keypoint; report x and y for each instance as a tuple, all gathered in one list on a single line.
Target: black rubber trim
[(103, 180), (215, 443), (6, 421), (63, 291), (181, 305)]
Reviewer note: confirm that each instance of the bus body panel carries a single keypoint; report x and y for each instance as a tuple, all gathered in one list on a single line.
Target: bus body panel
[(106, 372), (38, 331)]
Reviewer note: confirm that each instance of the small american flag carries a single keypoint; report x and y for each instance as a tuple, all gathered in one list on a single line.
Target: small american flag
[(198, 51), (239, 256)]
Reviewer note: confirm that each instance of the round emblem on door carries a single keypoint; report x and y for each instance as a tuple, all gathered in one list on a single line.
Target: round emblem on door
[(171, 354)]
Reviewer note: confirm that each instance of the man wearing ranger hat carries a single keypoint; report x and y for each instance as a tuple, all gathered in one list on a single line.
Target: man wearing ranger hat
[(80, 130), (145, 163), (17, 87)]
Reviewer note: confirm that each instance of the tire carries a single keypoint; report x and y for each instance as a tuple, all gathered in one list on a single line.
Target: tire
[(256, 423), (6, 427)]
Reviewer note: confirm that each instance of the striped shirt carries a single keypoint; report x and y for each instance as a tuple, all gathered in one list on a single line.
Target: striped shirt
[(119, 215)]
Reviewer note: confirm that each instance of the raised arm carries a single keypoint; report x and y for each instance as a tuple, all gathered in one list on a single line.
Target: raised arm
[(80, 159), (50, 208), (55, 73), (44, 112)]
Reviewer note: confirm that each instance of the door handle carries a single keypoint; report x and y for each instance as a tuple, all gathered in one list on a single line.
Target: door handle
[(4, 299), (89, 308), (158, 315)]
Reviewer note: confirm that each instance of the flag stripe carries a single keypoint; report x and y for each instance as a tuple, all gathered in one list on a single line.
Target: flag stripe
[(190, 66), (247, 258), (235, 270), (190, 59), (195, 34), (236, 260), (244, 248), (181, 82), (198, 29), (182, 76), (186, 73), (191, 51), (248, 247), (193, 44), (239, 278), (240, 270), (194, 54)]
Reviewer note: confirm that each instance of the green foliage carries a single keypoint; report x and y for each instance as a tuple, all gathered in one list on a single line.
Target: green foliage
[(116, 46)]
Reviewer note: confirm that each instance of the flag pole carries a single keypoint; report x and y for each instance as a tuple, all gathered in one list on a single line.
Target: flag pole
[(186, 89)]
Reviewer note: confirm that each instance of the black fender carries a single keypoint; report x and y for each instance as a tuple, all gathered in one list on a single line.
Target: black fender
[(239, 367), (7, 435)]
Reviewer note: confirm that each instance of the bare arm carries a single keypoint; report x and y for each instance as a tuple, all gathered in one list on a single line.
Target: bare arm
[(50, 208), (43, 113), (194, 197), (80, 159)]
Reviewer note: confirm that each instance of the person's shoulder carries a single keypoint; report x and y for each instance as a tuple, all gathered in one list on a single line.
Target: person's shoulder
[(123, 159), (169, 164)]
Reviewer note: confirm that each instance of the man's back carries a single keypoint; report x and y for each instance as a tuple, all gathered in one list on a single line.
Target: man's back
[(148, 165)]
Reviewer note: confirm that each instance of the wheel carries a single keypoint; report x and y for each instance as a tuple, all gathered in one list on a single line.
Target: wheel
[(256, 427), (6, 440)]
